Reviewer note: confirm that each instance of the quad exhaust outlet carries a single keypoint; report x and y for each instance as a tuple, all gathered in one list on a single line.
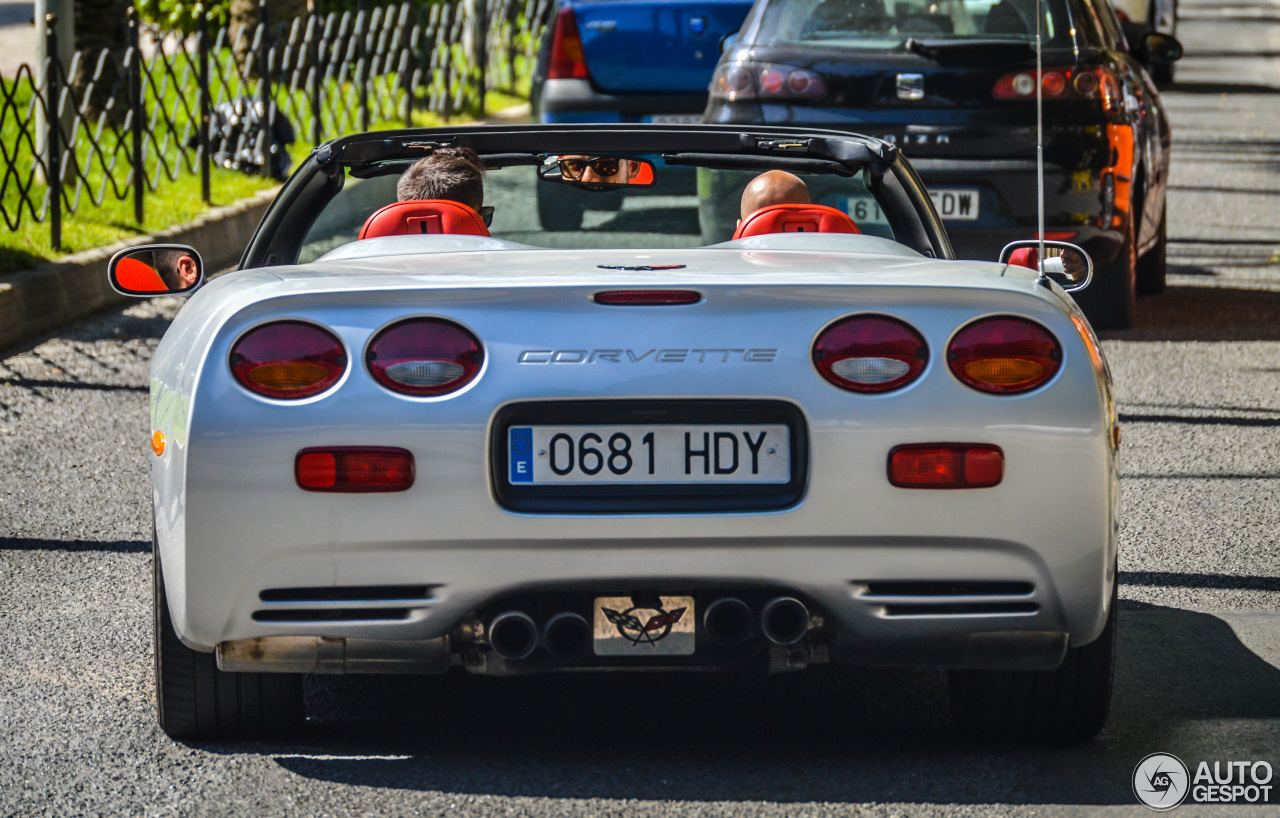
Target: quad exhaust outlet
[(784, 620), (728, 622), (567, 637), (512, 635)]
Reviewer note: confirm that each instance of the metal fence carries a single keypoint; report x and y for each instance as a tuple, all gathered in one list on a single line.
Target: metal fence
[(118, 125)]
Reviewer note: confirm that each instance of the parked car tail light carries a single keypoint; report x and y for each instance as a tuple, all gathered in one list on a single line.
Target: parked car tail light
[(425, 357), (1063, 83), (870, 353), (946, 466), (748, 80), (1004, 355), (568, 61), (354, 469), (288, 359)]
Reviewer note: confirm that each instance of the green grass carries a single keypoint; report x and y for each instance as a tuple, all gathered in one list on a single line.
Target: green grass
[(175, 201)]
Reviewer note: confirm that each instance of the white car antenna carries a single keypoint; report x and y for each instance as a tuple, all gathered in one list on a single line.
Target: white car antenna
[(1039, 141)]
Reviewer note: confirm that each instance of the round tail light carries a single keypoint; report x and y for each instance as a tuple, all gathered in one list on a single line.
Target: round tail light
[(870, 353), (288, 360), (424, 357), (1004, 355)]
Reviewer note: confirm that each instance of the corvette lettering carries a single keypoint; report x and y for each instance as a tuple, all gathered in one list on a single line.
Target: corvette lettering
[(657, 356)]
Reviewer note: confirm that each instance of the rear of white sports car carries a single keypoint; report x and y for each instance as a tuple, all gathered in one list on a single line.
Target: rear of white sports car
[(518, 461)]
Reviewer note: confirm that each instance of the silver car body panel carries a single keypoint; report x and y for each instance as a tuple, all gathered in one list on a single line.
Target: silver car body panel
[(231, 521)]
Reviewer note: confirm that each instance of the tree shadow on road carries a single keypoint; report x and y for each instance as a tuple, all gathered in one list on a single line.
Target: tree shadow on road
[(845, 737)]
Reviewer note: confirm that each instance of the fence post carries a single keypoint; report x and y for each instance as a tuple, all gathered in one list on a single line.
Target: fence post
[(316, 30), (264, 87), (137, 114), (53, 126), (412, 18), (482, 8), (202, 50), (362, 67)]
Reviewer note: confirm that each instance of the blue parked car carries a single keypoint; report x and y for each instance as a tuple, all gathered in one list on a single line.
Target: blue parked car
[(631, 60)]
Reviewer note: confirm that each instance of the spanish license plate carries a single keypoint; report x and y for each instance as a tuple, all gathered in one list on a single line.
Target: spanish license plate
[(660, 627), (634, 454), (955, 205), (865, 210), (675, 119)]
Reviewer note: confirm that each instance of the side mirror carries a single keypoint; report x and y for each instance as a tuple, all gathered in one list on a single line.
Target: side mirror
[(593, 172), (729, 40), (1157, 48), (1067, 264), (156, 269)]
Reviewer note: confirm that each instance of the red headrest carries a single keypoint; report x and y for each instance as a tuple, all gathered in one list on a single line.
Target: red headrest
[(424, 216), (795, 218), (1025, 257), (139, 276)]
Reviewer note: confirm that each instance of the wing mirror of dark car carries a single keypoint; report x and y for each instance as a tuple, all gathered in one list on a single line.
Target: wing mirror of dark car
[(1067, 264), (1157, 48), (729, 40), (149, 270), (595, 172)]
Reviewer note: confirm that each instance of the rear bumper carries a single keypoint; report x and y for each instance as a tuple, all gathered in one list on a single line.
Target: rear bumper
[(578, 101)]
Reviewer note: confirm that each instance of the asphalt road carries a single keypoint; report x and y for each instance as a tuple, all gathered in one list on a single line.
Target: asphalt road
[(1199, 648)]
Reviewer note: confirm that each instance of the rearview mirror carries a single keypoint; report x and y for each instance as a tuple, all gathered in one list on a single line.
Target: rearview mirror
[(156, 269), (1157, 48), (1067, 264), (593, 172), (728, 41)]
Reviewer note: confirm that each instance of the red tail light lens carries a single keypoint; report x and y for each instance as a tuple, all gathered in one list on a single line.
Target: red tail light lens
[(424, 357), (568, 61), (354, 469), (288, 359), (1062, 83), (870, 353), (747, 80), (640, 298), (1004, 356), (946, 466)]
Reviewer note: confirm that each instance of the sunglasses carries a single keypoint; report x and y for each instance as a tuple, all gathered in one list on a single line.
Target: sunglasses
[(603, 166), (486, 213)]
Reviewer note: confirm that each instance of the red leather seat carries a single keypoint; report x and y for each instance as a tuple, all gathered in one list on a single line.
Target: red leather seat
[(140, 277), (1025, 257), (424, 216), (795, 218)]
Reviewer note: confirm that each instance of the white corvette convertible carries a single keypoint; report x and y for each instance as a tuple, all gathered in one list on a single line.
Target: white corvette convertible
[(398, 440)]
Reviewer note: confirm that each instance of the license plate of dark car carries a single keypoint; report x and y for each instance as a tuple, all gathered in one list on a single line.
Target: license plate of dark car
[(626, 626), (649, 454)]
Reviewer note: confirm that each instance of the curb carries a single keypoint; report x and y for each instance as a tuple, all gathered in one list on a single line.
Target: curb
[(33, 302)]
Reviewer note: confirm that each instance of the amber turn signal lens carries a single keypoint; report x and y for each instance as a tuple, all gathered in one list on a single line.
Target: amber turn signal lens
[(157, 443), (1004, 355), (288, 360)]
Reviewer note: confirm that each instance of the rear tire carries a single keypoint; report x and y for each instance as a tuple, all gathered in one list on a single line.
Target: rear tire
[(1153, 267), (195, 700), (1064, 705), (1109, 300)]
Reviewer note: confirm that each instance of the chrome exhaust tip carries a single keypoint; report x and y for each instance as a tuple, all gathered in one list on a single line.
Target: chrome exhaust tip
[(728, 622), (567, 637), (512, 635), (784, 620)]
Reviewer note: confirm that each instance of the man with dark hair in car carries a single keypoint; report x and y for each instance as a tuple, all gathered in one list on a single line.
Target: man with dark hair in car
[(771, 188), (177, 269), (456, 174)]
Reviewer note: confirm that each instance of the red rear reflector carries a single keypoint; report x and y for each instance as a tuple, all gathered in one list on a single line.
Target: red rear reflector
[(1004, 355), (637, 298), (870, 353), (288, 359), (946, 466), (568, 61), (354, 469)]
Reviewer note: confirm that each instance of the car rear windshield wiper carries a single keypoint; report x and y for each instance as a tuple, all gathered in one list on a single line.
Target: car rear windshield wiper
[(936, 48)]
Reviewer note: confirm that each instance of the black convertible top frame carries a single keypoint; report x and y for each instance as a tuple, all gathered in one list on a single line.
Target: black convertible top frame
[(322, 175)]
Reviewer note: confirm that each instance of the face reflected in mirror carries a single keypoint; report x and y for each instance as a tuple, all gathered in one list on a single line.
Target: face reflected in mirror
[(156, 270), (1063, 262), (588, 169)]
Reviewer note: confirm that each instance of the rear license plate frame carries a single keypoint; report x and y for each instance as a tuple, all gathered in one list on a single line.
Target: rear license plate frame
[(654, 498)]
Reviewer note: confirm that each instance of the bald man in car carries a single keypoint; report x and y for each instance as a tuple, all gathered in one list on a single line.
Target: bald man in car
[(771, 188)]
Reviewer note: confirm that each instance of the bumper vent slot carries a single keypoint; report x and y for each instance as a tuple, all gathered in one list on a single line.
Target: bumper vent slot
[(348, 593), (333, 615), (948, 598)]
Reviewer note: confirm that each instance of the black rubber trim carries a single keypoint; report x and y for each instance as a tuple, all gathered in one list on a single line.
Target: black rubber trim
[(649, 499)]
